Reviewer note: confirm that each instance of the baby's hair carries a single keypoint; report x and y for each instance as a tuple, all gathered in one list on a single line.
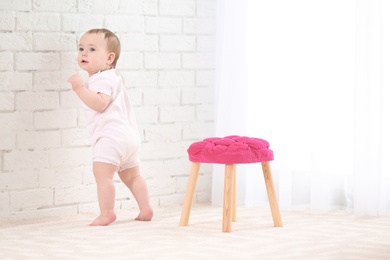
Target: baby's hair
[(113, 43)]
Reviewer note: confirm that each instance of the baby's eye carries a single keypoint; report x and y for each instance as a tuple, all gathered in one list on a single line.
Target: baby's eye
[(92, 49), (81, 49)]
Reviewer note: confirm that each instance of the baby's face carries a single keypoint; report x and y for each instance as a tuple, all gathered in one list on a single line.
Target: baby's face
[(93, 54)]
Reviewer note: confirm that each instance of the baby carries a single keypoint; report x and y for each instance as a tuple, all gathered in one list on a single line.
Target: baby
[(110, 120)]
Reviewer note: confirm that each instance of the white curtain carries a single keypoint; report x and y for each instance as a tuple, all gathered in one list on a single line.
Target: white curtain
[(313, 78)]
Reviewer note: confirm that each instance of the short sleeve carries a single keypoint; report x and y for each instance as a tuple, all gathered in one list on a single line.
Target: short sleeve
[(101, 85)]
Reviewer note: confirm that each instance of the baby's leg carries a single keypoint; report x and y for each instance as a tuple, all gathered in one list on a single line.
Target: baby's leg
[(137, 185), (104, 173)]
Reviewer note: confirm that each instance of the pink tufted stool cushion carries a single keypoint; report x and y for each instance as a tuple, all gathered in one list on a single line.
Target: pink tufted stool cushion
[(230, 150)]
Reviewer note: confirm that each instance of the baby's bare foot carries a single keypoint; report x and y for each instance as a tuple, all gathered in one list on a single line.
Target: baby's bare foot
[(146, 214), (104, 220)]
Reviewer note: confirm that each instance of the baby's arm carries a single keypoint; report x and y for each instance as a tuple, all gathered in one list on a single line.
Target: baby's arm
[(95, 101)]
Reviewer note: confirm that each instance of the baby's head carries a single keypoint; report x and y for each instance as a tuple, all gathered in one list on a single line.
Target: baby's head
[(99, 50), (113, 43)]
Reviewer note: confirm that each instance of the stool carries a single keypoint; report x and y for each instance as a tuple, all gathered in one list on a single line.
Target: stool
[(230, 150)]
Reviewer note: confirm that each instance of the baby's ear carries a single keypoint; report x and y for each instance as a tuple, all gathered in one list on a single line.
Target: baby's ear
[(111, 58)]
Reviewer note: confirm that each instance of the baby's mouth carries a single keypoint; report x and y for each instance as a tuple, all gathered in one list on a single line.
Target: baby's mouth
[(84, 61)]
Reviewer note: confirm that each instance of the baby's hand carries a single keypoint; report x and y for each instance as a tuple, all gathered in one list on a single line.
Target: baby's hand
[(76, 81)]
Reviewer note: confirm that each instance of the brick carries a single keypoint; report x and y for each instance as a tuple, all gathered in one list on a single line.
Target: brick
[(171, 199), (136, 96), (4, 202), (65, 176), (30, 199), (15, 41), (98, 6), (197, 96), (177, 7), (125, 23), (171, 114), (198, 60), (7, 101), (199, 25), (54, 42), (16, 5), (12, 180), (140, 78), (141, 130), (52, 80), (55, 119), (176, 78), (69, 99), (162, 61), (205, 78), (205, 179), (148, 7), (70, 157), (37, 101), (181, 184), (202, 197), (17, 120), (38, 139), (149, 169), (178, 166), (163, 25), (130, 60), (205, 112), (38, 22), (7, 140), (198, 130), (81, 118), (88, 177), (131, 7), (162, 186), (23, 160), (177, 43), (1, 161), (42, 61), (162, 96), (205, 43), (69, 61), (146, 114), (52, 6), (75, 137), (206, 8), (139, 42), (7, 21), (163, 132), (75, 194), (122, 193), (81, 22), (88, 207), (15, 81), (6, 61)]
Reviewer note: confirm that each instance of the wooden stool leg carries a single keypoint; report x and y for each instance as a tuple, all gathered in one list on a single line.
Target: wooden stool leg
[(189, 197), (227, 199), (273, 201), (234, 201)]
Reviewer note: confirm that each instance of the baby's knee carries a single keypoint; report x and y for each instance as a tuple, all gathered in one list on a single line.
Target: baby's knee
[(129, 174)]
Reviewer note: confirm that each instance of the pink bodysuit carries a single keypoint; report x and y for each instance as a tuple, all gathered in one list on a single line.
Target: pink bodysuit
[(114, 132)]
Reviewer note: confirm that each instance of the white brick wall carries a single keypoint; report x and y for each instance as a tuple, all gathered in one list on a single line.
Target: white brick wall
[(168, 62)]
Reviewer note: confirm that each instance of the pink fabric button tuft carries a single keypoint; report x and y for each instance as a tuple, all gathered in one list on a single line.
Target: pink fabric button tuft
[(230, 150)]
